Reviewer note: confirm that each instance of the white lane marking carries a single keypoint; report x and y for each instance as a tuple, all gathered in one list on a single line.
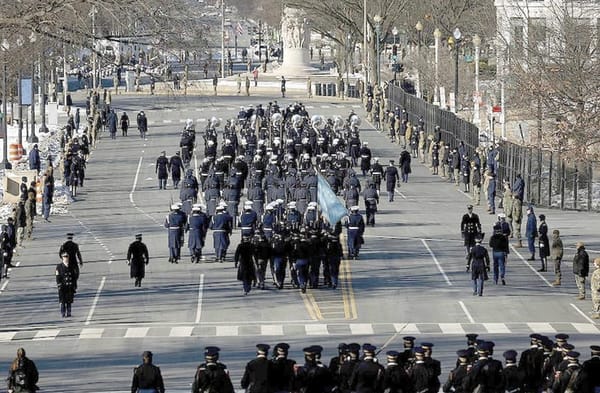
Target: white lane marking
[(135, 180), (407, 328), (531, 267), (361, 328), (271, 330), (200, 292), (590, 320), (201, 120), (451, 328), (46, 334), (95, 301), (7, 336), (585, 328), (181, 331), (496, 328), (467, 194), (467, 313), (227, 331), (355, 106), (541, 327), (318, 329), (4, 285), (167, 121), (399, 193), (137, 332), (91, 333), (437, 263), (325, 106)]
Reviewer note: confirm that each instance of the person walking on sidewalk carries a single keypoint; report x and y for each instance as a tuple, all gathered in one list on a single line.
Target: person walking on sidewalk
[(518, 191), (581, 268), (283, 82), (556, 253)]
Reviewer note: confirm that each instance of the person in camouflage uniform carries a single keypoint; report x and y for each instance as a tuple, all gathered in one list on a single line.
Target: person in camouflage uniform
[(556, 254), (595, 289)]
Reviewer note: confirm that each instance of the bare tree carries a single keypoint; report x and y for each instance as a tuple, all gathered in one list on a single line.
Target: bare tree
[(553, 72)]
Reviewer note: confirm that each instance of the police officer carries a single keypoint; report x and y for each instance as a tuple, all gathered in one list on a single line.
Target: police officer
[(147, 377), (197, 226), (479, 263), (256, 373), (356, 229), (137, 259), (66, 282), (175, 223), (222, 226), (368, 375), (212, 375), (391, 177), (162, 170)]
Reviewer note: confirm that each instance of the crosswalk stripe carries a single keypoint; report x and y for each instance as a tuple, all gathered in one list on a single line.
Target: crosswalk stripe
[(271, 330), (137, 332), (7, 336), (49, 334), (406, 328), (201, 120), (585, 328), (496, 328), (355, 106), (310, 329), (452, 328), (317, 329), (541, 327), (181, 331), (88, 333), (361, 328), (325, 106), (167, 121), (227, 331)]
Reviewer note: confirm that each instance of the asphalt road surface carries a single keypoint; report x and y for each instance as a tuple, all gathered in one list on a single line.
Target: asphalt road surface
[(410, 278)]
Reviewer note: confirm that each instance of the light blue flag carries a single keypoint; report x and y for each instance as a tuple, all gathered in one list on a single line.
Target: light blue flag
[(332, 209)]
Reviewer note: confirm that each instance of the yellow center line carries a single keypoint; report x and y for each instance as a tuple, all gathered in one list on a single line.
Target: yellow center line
[(350, 310), (309, 307)]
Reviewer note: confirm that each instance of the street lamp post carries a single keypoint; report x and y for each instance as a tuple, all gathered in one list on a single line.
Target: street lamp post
[(457, 35), (348, 61), (419, 28), (5, 48), (378, 19), (437, 34), (395, 51), (476, 119)]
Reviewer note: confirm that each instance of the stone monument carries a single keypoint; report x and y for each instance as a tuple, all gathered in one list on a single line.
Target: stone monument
[(296, 43)]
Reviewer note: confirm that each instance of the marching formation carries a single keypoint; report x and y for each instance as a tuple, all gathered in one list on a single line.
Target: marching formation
[(280, 160), (547, 365)]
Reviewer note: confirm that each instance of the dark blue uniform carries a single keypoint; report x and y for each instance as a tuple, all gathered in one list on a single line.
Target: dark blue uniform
[(391, 177), (221, 225), (356, 228), (248, 222), (175, 223), (197, 225)]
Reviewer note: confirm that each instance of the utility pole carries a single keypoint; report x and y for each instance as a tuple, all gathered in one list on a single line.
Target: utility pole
[(222, 38)]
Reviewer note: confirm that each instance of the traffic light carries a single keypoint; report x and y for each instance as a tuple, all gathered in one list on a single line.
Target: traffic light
[(395, 50)]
